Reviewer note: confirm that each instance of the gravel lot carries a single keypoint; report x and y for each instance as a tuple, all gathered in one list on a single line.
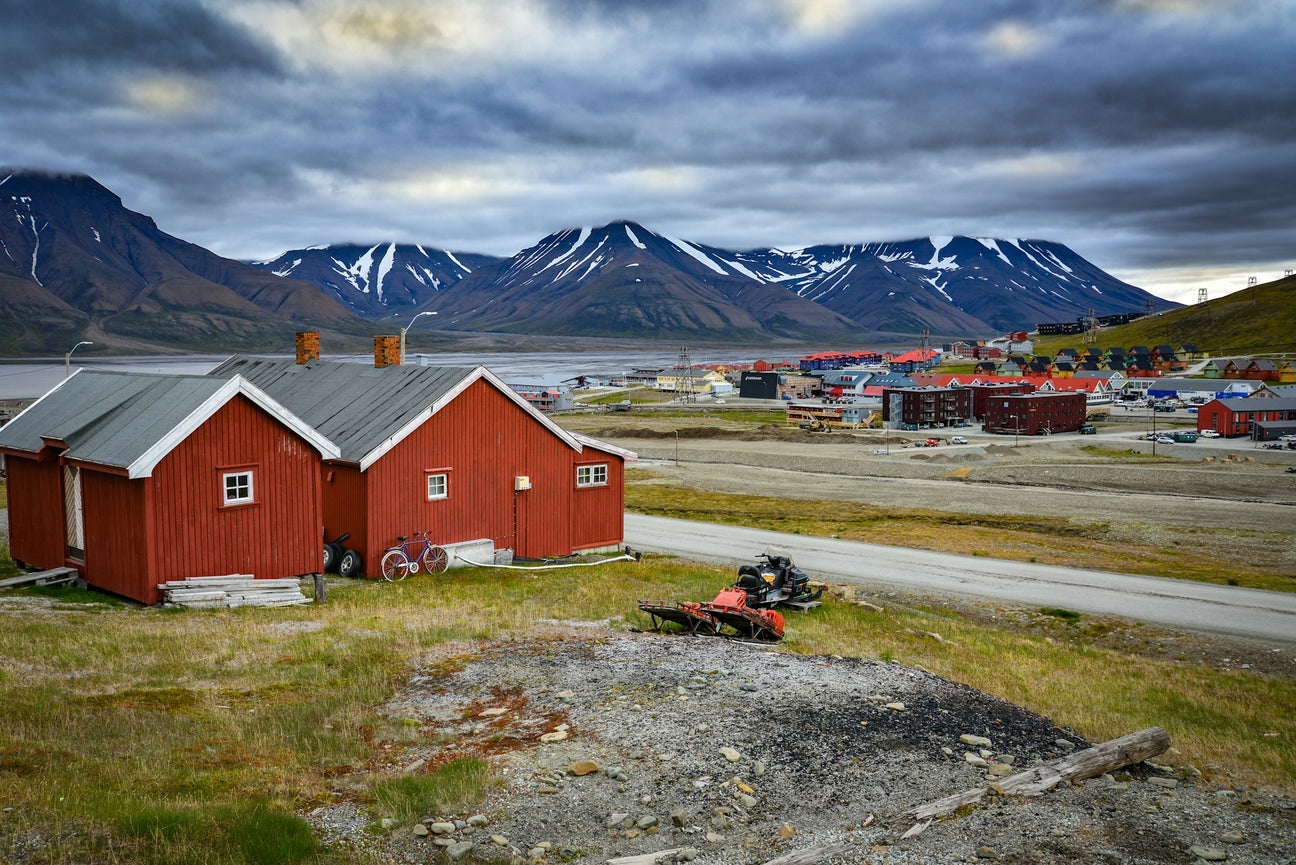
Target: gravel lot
[(823, 750)]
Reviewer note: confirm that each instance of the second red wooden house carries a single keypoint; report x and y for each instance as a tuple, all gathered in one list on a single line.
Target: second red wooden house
[(448, 450)]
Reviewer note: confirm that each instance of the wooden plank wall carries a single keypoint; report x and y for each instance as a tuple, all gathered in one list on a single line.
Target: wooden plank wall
[(278, 535), (36, 528)]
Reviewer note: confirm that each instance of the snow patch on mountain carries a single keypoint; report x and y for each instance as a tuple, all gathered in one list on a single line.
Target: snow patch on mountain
[(696, 253), (634, 239), (385, 268), (938, 263), (287, 270), (993, 245), (458, 264)]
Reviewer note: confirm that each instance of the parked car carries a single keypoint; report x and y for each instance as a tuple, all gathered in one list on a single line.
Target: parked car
[(1287, 438), (958, 440), (1164, 440), (1208, 434), (1087, 429)]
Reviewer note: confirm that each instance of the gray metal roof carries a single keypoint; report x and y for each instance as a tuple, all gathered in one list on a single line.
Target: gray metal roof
[(362, 409), (110, 418), (354, 405)]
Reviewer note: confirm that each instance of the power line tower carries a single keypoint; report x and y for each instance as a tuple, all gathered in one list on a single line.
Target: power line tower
[(1090, 323), (686, 376)]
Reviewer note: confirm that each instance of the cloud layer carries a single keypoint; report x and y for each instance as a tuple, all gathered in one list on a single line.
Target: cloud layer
[(1155, 137)]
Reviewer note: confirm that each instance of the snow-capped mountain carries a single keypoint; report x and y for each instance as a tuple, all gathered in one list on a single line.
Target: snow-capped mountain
[(951, 282), (624, 280), (74, 262), (380, 280)]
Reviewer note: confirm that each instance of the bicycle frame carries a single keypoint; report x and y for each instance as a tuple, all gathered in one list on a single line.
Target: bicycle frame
[(410, 556)]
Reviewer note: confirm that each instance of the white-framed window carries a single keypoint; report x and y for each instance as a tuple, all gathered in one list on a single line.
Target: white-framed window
[(438, 485), (238, 489), (592, 475)]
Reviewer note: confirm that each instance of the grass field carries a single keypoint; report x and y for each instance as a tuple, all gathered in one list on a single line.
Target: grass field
[(166, 736)]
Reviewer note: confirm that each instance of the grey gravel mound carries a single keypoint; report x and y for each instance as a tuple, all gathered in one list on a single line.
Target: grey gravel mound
[(611, 744)]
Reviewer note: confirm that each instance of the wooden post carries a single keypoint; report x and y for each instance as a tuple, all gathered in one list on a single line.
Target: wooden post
[(1089, 763), (320, 588)]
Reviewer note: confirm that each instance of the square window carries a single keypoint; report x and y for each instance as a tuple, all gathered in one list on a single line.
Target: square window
[(592, 475), (238, 488), (438, 486)]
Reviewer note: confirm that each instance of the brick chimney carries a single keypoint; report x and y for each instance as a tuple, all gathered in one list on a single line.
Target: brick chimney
[(307, 346), (386, 351)]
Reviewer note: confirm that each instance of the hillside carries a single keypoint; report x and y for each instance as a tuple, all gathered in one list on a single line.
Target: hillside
[(75, 263), (1258, 320)]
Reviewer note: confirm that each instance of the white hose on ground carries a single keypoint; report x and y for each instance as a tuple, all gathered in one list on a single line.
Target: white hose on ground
[(621, 558)]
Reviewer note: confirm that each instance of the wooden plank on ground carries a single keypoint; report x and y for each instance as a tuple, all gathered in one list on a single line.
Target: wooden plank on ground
[(1089, 763), (44, 578)]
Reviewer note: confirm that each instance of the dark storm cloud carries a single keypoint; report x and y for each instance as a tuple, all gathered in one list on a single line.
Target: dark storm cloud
[(39, 36), (1145, 134)]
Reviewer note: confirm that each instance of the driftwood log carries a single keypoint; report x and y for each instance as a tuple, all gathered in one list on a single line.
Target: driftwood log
[(1089, 763)]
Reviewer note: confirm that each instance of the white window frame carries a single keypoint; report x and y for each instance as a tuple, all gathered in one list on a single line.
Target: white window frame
[(244, 492), (444, 478), (592, 475)]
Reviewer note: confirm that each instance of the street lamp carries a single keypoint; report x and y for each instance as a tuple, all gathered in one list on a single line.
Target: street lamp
[(402, 334), (67, 358)]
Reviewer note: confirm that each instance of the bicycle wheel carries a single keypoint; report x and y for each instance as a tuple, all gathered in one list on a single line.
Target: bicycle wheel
[(436, 560), (395, 566)]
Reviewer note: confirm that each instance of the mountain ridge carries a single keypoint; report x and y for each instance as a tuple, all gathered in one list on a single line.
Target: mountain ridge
[(74, 259)]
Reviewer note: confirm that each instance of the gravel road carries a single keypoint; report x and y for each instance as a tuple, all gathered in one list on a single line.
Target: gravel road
[(1194, 606)]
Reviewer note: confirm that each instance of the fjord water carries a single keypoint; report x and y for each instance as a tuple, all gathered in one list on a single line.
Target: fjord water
[(26, 378)]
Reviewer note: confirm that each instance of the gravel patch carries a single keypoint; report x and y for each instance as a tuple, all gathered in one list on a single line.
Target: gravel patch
[(610, 744)]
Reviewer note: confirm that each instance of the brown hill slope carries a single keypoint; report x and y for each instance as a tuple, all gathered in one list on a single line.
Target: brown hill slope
[(72, 257), (1257, 320)]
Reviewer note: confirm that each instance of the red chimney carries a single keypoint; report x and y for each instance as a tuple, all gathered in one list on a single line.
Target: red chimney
[(386, 351), (307, 346)]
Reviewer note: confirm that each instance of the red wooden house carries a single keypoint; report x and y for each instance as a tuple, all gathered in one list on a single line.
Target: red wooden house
[(138, 479), (1262, 419), (448, 450)]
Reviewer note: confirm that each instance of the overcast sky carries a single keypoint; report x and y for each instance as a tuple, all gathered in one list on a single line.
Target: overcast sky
[(1157, 138)]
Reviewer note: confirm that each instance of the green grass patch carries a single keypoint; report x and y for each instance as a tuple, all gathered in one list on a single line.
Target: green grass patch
[(408, 798), (1069, 616), (1122, 453), (634, 394)]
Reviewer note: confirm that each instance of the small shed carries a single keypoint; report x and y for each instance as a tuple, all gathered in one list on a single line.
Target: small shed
[(135, 479), (453, 451)]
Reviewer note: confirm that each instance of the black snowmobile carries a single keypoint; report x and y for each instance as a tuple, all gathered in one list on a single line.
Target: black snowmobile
[(776, 582)]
